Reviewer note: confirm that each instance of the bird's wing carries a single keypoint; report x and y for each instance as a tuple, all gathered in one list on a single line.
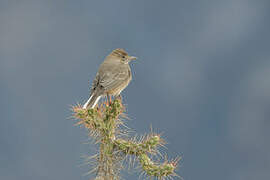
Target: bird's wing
[(114, 77), (95, 83)]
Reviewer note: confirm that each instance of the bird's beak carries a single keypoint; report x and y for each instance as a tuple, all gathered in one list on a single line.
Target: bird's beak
[(132, 58)]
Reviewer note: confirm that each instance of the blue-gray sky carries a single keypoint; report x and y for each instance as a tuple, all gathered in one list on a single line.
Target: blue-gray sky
[(202, 78)]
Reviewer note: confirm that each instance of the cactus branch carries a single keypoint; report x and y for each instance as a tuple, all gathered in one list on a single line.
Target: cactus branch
[(104, 125)]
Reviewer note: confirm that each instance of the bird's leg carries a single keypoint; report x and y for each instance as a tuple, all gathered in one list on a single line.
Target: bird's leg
[(109, 99)]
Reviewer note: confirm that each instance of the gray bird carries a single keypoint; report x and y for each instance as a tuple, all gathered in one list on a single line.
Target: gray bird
[(112, 78)]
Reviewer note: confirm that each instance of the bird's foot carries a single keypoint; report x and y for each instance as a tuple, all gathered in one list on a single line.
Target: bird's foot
[(119, 97)]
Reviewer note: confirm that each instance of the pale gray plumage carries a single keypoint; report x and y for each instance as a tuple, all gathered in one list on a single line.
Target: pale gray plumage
[(113, 76)]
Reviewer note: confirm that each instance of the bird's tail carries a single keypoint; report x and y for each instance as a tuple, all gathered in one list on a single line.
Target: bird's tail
[(92, 101)]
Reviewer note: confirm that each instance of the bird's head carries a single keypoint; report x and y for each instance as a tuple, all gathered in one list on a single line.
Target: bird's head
[(122, 55)]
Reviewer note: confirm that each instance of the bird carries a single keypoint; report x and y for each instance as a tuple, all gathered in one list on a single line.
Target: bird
[(113, 76)]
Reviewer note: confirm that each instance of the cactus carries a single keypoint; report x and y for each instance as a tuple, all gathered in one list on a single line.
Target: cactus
[(105, 126)]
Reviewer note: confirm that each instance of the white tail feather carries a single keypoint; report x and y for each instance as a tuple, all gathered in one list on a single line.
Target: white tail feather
[(96, 102), (85, 105), (88, 101)]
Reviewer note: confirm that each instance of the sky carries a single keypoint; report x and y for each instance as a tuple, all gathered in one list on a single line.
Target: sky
[(201, 79)]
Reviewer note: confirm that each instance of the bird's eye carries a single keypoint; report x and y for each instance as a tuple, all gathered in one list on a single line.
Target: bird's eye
[(123, 56)]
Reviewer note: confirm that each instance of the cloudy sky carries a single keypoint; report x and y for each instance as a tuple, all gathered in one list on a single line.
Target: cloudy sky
[(202, 79)]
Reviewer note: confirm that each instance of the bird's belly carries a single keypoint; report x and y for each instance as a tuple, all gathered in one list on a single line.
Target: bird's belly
[(117, 90)]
